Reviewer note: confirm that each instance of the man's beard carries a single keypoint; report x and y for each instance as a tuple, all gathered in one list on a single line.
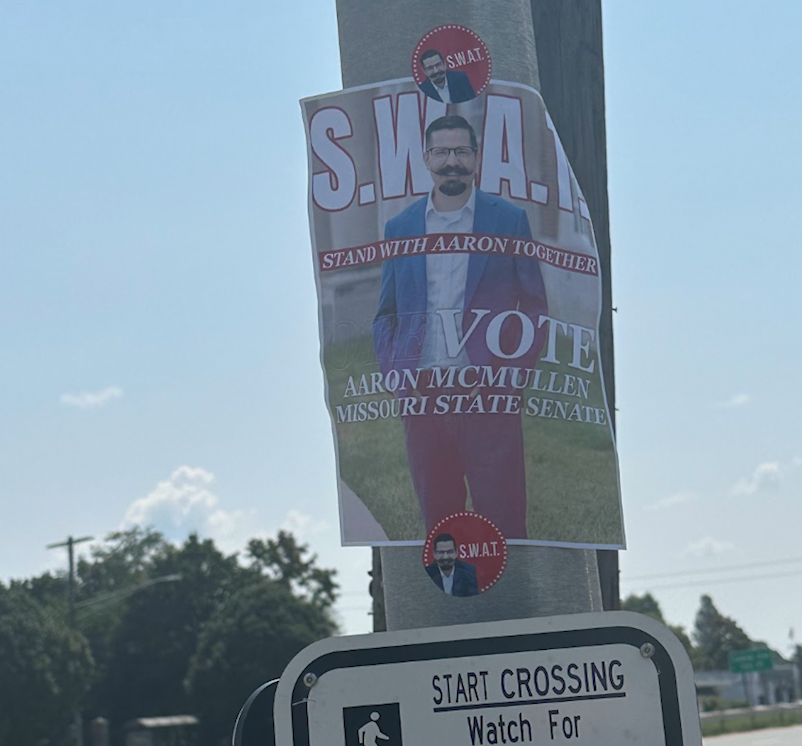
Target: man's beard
[(453, 187)]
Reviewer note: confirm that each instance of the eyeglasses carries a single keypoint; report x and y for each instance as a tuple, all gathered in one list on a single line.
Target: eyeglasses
[(463, 153), (435, 66)]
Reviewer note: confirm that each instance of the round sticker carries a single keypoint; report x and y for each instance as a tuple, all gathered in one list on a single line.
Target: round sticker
[(464, 554), (451, 64)]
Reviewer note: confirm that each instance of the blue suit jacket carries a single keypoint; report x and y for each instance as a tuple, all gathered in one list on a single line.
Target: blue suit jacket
[(494, 282), (465, 583), (459, 87)]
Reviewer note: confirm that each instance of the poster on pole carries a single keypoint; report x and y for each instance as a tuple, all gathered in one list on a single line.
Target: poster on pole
[(459, 293)]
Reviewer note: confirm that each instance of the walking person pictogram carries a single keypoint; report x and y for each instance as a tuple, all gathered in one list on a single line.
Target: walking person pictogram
[(375, 724), (370, 731)]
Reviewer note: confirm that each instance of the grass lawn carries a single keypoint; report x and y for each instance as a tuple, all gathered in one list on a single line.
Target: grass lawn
[(570, 466), (750, 720)]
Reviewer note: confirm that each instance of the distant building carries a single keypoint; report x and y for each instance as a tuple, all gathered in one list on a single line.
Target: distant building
[(781, 684), (173, 730)]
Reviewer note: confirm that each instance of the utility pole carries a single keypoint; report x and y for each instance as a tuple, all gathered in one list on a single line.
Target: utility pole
[(557, 43), (509, 48), (70, 544), (568, 37)]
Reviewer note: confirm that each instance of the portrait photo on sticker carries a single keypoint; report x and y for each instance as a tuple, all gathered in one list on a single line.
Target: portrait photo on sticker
[(451, 64), (464, 554)]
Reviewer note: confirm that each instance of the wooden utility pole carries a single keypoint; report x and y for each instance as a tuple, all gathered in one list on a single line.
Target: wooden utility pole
[(568, 37), (70, 544)]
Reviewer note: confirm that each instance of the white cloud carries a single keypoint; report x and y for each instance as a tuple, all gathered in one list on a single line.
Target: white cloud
[(669, 502), (303, 525), (184, 503), (91, 399), (182, 500), (765, 477), (735, 401), (707, 547), (187, 502)]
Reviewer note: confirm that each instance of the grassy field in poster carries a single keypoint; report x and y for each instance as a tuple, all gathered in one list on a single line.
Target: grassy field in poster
[(571, 476)]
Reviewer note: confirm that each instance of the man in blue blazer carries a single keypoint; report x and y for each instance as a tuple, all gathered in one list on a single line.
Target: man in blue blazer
[(452, 576), (435, 313), (450, 86)]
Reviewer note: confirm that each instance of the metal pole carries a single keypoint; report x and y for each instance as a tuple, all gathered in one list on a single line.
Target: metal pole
[(70, 544), (375, 37)]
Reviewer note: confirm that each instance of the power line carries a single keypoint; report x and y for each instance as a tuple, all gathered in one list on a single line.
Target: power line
[(727, 568), (722, 581), (124, 592)]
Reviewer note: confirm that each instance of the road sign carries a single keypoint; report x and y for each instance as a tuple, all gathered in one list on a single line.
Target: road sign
[(605, 678), (747, 661)]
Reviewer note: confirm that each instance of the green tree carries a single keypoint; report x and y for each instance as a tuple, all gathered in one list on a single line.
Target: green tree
[(146, 635), (116, 569), (687, 643), (284, 560), (716, 636), (47, 589), (645, 604), (45, 670), (245, 644), (124, 559), (159, 633)]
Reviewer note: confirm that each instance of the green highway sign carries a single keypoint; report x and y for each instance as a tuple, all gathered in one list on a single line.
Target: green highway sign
[(746, 661)]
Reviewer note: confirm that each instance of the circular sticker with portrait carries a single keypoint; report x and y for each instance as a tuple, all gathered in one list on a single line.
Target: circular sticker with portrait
[(451, 64), (464, 554)]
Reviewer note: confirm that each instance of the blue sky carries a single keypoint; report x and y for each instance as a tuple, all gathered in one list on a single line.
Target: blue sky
[(158, 322)]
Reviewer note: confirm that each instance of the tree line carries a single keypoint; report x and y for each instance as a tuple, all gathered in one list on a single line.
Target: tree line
[(159, 629), (164, 629), (713, 638)]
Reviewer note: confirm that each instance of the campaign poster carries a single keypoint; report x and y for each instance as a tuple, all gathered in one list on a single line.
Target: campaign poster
[(459, 294)]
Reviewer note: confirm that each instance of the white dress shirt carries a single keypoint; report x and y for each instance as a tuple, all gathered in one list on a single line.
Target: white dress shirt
[(444, 93), (448, 582), (446, 276)]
